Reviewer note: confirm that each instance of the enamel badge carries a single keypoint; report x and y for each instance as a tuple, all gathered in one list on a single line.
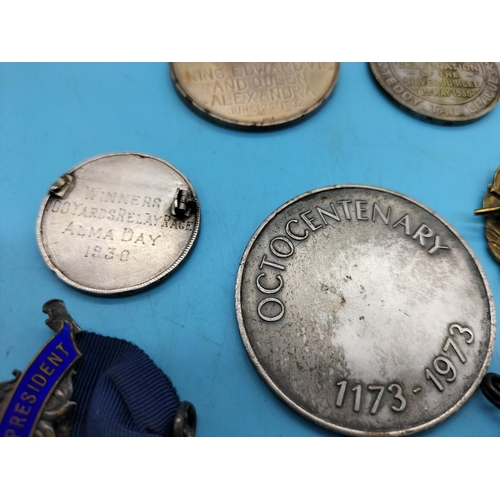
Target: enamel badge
[(36, 402), (86, 384)]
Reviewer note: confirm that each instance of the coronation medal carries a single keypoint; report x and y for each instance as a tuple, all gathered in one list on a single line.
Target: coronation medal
[(255, 95), (443, 92), (118, 223), (364, 311)]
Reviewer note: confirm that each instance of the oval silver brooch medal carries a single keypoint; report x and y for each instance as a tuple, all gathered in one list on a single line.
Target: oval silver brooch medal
[(118, 223)]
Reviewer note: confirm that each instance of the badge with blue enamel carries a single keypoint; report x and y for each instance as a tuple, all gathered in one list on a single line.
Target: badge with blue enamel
[(85, 384)]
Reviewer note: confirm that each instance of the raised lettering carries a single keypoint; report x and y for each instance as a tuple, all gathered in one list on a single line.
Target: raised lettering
[(269, 301), (309, 222), (405, 222), (39, 380), (60, 347), (344, 204), (277, 252), (360, 210), (17, 421), (333, 214), (46, 369), (376, 210), (22, 410), (54, 359), (30, 398), (269, 290), (422, 233), (437, 246), (264, 262), (294, 235)]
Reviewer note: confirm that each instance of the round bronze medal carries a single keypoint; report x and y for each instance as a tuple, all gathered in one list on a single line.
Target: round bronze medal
[(364, 311), (118, 223), (443, 91), (255, 94)]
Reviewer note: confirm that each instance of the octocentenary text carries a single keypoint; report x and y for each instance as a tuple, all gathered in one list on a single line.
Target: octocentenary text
[(317, 218)]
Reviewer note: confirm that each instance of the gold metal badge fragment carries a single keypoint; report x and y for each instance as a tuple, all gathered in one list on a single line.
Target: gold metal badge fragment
[(491, 209)]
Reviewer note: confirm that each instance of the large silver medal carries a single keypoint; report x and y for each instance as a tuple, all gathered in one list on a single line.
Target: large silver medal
[(364, 311)]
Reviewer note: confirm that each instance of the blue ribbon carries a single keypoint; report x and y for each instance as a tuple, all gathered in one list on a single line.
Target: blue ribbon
[(119, 391)]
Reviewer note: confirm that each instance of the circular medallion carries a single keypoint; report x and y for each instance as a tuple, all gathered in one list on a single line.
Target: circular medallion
[(118, 223), (255, 94), (364, 311), (442, 91)]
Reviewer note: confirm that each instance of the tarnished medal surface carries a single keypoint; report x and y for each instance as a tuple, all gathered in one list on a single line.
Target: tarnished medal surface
[(442, 91), (364, 311), (255, 94), (118, 223)]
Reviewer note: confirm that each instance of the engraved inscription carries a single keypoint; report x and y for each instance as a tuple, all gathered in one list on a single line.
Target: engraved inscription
[(107, 253), (139, 216), (113, 231), (125, 235), (148, 217)]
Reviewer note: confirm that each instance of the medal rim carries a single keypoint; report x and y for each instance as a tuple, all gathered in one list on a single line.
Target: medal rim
[(129, 289), (252, 125), (295, 406), (419, 113)]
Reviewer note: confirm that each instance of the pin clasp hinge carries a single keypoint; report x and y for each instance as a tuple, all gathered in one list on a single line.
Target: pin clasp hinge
[(183, 204), (61, 186)]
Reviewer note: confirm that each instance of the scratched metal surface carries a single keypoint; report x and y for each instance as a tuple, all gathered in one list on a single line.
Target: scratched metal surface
[(54, 116)]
